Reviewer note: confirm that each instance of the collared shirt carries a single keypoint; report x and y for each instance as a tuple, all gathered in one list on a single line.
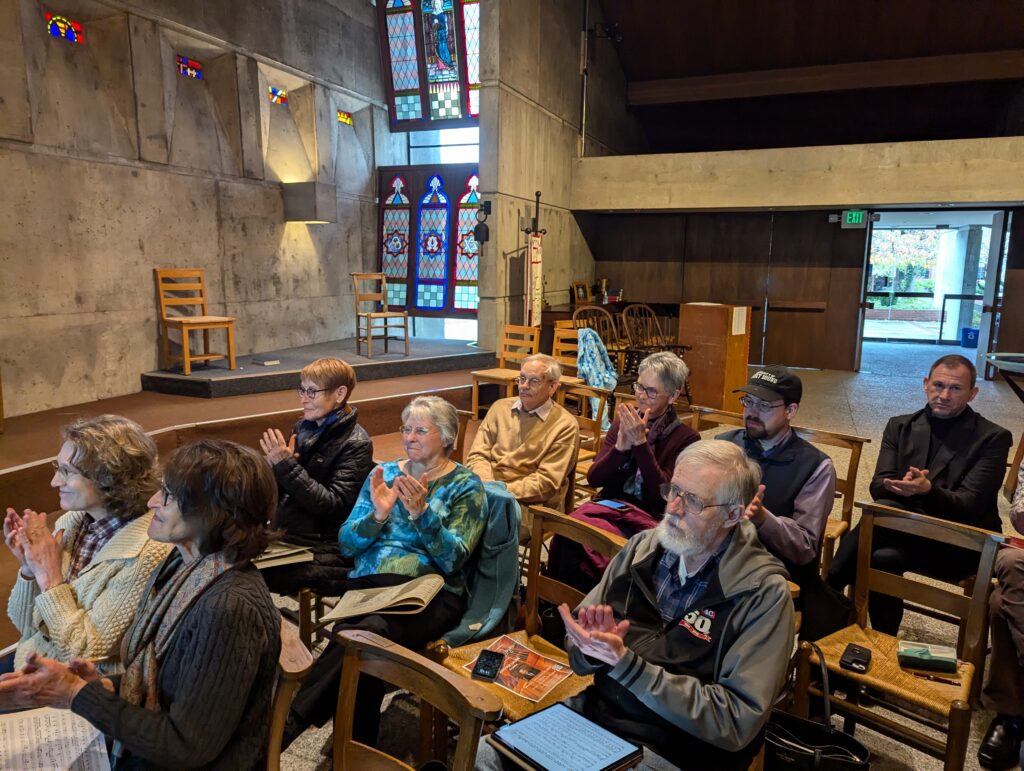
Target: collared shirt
[(541, 412), (92, 537), (675, 597)]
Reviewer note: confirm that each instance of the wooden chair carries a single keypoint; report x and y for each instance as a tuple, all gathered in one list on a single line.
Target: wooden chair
[(517, 343), (368, 322), (292, 667), (545, 522), (642, 328), (846, 486), (601, 321), (181, 293), (466, 702), (565, 349), (590, 418), (888, 686)]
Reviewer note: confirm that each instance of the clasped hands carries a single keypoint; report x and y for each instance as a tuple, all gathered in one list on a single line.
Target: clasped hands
[(632, 427), (44, 682), (275, 448), (596, 633), (914, 482), (411, 491), (38, 550)]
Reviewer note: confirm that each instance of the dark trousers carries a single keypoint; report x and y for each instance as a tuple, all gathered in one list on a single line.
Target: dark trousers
[(325, 575), (898, 553), (1004, 686), (317, 699)]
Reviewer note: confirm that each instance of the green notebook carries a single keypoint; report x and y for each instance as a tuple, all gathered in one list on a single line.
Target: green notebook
[(919, 655)]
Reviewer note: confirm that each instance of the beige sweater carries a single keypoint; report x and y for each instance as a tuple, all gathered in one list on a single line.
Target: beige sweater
[(88, 616), (532, 456)]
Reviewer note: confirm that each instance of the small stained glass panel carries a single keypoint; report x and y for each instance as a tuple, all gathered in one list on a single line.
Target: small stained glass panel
[(277, 95), (189, 68), (344, 117), (439, 47), (430, 296), (467, 297), (67, 29)]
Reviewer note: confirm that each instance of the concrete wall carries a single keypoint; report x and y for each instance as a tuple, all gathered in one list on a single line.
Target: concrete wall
[(529, 130), (114, 164)]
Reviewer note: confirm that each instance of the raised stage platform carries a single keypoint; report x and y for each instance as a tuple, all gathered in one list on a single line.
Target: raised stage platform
[(426, 356)]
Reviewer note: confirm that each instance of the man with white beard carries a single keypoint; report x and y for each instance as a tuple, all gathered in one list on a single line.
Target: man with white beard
[(690, 629)]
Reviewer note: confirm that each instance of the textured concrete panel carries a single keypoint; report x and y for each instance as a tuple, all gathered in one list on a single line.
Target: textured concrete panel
[(354, 171), (150, 100), (249, 113), (200, 141), (223, 84), (14, 106)]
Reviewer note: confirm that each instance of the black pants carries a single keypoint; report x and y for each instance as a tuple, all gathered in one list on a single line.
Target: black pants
[(317, 699), (325, 575), (898, 553)]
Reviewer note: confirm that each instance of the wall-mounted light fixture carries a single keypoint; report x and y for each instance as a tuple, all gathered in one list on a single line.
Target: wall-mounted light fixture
[(312, 202)]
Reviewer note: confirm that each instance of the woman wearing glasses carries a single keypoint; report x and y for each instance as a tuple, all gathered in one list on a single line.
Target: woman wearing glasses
[(413, 517), (78, 587), (319, 471)]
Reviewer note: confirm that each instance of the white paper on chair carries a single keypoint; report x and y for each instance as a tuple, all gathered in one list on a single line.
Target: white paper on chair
[(47, 739)]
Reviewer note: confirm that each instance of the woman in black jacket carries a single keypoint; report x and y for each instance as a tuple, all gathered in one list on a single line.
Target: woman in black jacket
[(320, 470)]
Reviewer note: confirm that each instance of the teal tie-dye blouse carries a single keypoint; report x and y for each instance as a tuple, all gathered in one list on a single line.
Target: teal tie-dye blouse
[(440, 540)]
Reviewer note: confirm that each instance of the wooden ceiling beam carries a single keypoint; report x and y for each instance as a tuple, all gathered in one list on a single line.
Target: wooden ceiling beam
[(890, 73)]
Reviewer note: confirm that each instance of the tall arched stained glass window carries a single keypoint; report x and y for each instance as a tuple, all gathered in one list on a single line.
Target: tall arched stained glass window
[(431, 49), (467, 267), (395, 242), (432, 247)]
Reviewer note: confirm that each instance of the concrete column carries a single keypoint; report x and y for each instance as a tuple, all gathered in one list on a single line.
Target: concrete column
[(249, 114), (15, 122), (969, 281)]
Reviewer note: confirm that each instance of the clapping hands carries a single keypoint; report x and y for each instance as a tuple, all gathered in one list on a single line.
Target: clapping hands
[(275, 448), (596, 633), (632, 427)]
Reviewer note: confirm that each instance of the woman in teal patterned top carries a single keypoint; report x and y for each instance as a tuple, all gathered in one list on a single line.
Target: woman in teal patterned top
[(422, 515)]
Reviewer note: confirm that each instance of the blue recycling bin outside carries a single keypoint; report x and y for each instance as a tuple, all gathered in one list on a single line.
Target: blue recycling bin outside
[(968, 337)]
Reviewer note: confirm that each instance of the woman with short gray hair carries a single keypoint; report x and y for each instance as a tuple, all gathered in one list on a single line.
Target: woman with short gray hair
[(438, 411)]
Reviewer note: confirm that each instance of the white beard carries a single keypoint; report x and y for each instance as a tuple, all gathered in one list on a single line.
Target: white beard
[(685, 543)]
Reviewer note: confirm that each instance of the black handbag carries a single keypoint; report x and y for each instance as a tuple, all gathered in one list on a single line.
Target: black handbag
[(795, 743)]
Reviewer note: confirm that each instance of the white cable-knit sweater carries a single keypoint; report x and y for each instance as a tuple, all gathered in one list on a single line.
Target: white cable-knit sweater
[(87, 616)]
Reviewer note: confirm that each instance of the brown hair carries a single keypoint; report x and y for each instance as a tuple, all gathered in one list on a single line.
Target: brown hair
[(117, 456), (330, 374), (227, 490), (954, 360)]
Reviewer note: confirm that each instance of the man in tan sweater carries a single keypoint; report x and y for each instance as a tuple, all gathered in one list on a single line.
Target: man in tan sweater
[(529, 442)]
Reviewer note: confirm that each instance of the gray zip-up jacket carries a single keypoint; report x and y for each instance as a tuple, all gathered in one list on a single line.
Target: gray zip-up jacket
[(699, 688)]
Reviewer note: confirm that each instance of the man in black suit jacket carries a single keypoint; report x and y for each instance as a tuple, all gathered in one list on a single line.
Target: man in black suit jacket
[(945, 461)]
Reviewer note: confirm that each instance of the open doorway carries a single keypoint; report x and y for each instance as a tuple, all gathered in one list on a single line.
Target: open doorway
[(926, 282)]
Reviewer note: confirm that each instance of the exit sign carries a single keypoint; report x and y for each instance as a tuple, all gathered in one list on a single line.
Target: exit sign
[(854, 218)]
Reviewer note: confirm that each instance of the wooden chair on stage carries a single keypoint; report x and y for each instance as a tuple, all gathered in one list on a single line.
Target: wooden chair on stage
[(182, 296), (464, 701), (368, 322), (641, 326), (517, 342), (293, 665), (887, 687)]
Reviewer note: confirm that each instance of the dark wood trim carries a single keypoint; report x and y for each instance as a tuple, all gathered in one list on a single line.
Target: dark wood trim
[(927, 70)]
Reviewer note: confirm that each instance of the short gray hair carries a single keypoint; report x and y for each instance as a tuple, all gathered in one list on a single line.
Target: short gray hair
[(668, 368), (740, 475), (439, 412), (553, 370)]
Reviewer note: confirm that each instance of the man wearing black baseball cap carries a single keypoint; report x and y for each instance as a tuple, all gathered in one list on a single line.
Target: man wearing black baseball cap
[(798, 481)]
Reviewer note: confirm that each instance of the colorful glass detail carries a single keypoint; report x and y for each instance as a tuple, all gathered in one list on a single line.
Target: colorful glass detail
[(432, 247), (344, 117), (63, 27), (189, 68), (467, 251), (395, 243), (277, 95), (405, 74), (471, 28), (442, 59)]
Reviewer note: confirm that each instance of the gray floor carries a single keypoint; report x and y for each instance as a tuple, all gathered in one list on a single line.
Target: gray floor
[(890, 383)]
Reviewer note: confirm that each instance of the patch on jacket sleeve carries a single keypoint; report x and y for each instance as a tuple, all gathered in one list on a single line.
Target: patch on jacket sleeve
[(698, 623)]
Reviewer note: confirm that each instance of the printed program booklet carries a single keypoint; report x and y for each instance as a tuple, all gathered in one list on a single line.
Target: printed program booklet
[(524, 671), (410, 597), (281, 553)]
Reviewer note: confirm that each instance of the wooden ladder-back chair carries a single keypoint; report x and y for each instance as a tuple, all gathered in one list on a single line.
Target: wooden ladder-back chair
[(642, 328), (601, 321), (517, 342), (464, 701), (181, 293), (368, 322), (886, 684), (846, 484), (539, 587), (292, 667), (565, 349)]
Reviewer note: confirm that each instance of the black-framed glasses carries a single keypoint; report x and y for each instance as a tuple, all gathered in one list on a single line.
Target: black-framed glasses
[(692, 503), (758, 406), (166, 493), (310, 392), (650, 393), (65, 471)]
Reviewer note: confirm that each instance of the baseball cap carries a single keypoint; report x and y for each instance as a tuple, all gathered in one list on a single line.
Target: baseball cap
[(774, 382)]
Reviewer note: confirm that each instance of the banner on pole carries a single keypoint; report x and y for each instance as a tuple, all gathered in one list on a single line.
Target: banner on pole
[(534, 279)]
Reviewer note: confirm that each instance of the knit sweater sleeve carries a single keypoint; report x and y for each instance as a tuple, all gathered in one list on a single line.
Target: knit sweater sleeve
[(216, 654), (20, 605), (360, 530)]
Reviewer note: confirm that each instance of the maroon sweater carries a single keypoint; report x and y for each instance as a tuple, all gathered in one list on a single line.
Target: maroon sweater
[(612, 469)]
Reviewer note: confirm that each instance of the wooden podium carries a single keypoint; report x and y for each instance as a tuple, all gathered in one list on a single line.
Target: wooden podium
[(720, 336)]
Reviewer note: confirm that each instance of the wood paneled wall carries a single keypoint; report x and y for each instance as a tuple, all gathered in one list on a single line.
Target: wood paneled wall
[(1011, 322)]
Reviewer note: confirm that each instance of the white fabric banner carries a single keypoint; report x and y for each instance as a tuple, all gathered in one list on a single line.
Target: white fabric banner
[(534, 279)]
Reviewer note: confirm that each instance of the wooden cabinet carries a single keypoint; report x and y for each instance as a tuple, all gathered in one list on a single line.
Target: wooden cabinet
[(720, 337)]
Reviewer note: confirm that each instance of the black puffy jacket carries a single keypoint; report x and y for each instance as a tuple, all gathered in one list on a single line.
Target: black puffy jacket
[(318, 489)]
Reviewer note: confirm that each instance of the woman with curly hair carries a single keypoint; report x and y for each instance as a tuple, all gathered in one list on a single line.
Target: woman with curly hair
[(78, 587)]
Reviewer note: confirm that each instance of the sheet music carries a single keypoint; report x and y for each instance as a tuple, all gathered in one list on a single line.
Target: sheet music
[(47, 739), (558, 738)]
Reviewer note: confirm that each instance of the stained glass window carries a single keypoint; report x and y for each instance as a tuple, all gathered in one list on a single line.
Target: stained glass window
[(63, 27), (467, 295), (189, 68), (344, 117), (277, 95), (395, 242), (432, 49), (432, 247)]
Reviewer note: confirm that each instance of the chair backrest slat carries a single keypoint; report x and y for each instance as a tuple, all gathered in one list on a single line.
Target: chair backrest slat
[(180, 288), (641, 325), (517, 342), (600, 321), (378, 294)]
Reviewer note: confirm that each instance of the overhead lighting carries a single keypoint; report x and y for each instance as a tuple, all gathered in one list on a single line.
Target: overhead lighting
[(312, 202)]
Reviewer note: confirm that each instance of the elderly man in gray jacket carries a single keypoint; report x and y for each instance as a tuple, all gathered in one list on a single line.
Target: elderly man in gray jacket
[(690, 629)]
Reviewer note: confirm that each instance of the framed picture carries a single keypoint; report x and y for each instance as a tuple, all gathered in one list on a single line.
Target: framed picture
[(581, 293)]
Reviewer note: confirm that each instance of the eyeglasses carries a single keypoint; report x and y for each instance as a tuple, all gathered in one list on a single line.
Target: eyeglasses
[(65, 471), (165, 491), (650, 393), (533, 381), (758, 406), (310, 392), (692, 503), (420, 431)]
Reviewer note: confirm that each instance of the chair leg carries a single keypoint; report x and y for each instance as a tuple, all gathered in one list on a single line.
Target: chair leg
[(369, 338), (801, 704), (206, 341), (231, 346), (387, 334), (305, 618), (828, 549), (186, 360), (405, 330), (959, 731), (165, 348)]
